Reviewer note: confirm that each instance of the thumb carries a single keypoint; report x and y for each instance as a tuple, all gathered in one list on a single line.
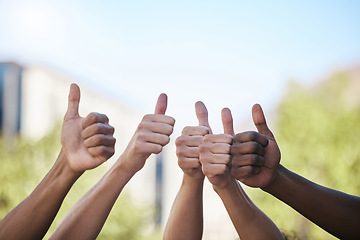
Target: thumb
[(73, 102), (202, 114), (260, 122), (161, 104), (227, 121)]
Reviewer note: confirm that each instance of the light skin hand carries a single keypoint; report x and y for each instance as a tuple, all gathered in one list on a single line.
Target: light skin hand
[(187, 144), (86, 142), (215, 153), (186, 216), (152, 134), (255, 155)]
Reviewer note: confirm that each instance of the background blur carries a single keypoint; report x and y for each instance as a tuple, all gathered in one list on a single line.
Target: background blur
[(299, 60)]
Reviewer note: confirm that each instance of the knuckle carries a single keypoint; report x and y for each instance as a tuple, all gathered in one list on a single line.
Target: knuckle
[(253, 134), (147, 117), (206, 138), (166, 140), (172, 121), (180, 141), (157, 149), (111, 129)]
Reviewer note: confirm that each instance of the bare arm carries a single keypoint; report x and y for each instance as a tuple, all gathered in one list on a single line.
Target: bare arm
[(87, 217), (186, 216), (32, 217), (336, 212), (249, 221)]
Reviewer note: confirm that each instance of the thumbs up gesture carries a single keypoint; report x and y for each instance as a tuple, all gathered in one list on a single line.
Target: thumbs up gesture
[(215, 153), (188, 143), (86, 142), (152, 134), (255, 155)]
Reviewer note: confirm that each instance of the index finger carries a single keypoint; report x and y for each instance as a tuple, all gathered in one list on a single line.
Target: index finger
[(251, 136), (94, 118)]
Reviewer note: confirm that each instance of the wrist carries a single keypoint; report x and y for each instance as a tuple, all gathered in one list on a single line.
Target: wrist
[(121, 168), (276, 179), (228, 186), (193, 180), (64, 167)]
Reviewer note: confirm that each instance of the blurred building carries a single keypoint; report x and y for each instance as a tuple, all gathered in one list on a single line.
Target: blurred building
[(10, 99)]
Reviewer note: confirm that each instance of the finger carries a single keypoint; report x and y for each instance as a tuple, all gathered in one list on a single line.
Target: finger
[(156, 127), (251, 136), (247, 148), (187, 152), (217, 138), (215, 158), (195, 131), (155, 138), (102, 152), (97, 128), (260, 122), (94, 118), (188, 141), (202, 114), (227, 121), (247, 159), (241, 173), (99, 140), (159, 118), (161, 104), (73, 102)]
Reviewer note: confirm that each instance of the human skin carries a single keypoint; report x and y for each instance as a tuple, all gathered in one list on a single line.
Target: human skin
[(186, 216), (336, 212), (87, 217), (249, 221), (86, 143)]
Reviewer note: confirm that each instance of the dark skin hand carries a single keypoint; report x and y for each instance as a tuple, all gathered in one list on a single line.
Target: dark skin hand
[(256, 163), (255, 155)]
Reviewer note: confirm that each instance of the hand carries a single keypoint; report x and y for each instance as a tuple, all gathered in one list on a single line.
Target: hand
[(88, 142), (215, 153), (255, 155), (152, 134), (188, 143)]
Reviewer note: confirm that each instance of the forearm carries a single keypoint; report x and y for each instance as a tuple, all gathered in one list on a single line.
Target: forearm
[(32, 217), (186, 216), (336, 212), (87, 217), (249, 221)]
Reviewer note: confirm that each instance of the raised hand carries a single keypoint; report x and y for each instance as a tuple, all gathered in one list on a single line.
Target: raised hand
[(86, 142), (188, 143), (255, 155), (152, 134), (215, 153)]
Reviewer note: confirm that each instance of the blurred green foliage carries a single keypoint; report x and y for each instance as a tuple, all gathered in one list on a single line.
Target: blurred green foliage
[(24, 163), (318, 133)]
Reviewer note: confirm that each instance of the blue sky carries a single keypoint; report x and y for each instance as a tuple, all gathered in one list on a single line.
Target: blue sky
[(225, 53)]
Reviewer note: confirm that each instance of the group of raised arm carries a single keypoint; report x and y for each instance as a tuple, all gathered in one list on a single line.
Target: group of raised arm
[(252, 158), (86, 143), (201, 153)]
